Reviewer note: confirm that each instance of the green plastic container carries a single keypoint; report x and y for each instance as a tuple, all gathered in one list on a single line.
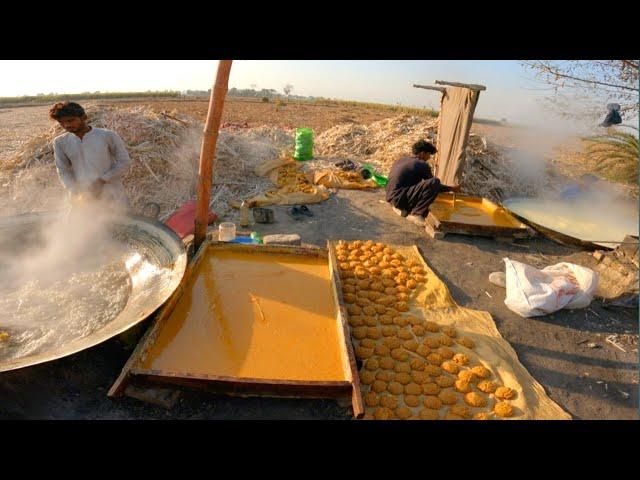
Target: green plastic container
[(381, 180), (256, 237), (304, 144)]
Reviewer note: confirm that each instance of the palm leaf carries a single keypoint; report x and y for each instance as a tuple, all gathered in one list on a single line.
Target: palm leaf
[(616, 152)]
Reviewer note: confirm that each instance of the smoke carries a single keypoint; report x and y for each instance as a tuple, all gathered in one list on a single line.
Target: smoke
[(567, 200), (67, 283)]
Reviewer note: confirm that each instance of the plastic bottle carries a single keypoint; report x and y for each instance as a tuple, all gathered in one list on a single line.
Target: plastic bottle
[(244, 214), (256, 237)]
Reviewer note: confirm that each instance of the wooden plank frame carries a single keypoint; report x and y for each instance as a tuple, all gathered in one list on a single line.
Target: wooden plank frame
[(132, 373), (470, 86), (438, 228)]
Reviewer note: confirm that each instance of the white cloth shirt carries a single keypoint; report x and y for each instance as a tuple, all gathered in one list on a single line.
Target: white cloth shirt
[(100, 153)]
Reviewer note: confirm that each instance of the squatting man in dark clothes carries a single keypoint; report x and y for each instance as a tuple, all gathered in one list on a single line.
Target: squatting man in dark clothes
[(91, 162), (412, 188)]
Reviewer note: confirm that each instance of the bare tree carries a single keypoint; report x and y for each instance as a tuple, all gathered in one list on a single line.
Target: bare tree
[(589, 83), (287, 89)]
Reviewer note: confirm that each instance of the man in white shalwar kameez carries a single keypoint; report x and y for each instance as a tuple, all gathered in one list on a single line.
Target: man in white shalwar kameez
[(91, 162)]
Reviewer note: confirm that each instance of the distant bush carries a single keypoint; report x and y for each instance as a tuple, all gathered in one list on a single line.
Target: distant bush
[(55, 97), (265, 100)]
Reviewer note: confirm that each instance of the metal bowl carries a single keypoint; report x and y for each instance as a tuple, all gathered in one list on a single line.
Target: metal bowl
[(155, 267)]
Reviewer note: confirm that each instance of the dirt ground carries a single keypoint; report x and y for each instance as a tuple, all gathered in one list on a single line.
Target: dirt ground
[(589, 383)]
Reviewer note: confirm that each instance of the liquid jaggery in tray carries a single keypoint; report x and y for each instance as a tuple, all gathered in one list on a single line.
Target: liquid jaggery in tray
[(471, 211), (424, 357), (253, 315)]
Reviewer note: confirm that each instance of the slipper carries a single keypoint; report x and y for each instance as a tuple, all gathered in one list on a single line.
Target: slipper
[(417, 219), (402, 213), (304, 210), (346, 165), (296, 214)]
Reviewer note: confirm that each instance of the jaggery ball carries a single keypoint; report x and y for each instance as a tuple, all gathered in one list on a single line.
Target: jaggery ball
[(431, 327), (399, 354), (503, 409), (432, 402), (386, 363), (383, 413), (418, 330), (430, 388), (389, 401), (395, 388), (417, 364), (487, 386), (412, 389), (475, 399), (371, 399), (419, 377), (371, 364), (433, 370), (402, 367), (450, 367), (448, 397), (379, 386), (381, 350), (467, 376), (363, 352), (366, 377), (462, 386), (461, 410), (434, 359), (368, 343), (427, 414), (505, 393), (461, 359), (444, 381), (445, 353), (405, 334), (392, 342), (412, 400), (481, 372), (482, 416), (450, 331), (411, 345)]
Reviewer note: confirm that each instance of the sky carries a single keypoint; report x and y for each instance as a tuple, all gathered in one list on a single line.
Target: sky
[(510, 93)]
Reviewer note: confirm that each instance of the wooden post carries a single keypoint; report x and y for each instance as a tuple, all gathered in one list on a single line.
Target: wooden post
[(470, 86), (431, 87), (208, 150)]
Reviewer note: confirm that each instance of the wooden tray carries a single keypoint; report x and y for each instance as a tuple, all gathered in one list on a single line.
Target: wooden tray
[(345, 392), (438, 227)]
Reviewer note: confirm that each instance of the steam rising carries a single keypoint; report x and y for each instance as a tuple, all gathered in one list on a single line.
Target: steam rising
[(70, 283)]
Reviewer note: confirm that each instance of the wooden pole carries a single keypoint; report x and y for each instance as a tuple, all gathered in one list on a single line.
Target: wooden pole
[(470, 86), (208, 150), (431, 87)]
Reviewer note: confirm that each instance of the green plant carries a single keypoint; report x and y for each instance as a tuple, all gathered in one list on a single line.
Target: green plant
[(265, 99), (615, 154)]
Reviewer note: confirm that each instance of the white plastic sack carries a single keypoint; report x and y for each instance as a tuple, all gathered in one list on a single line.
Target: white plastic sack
[(532, 292)]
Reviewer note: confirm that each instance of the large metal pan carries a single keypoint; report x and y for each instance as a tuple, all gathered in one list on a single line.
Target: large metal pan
[(155, 267)]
